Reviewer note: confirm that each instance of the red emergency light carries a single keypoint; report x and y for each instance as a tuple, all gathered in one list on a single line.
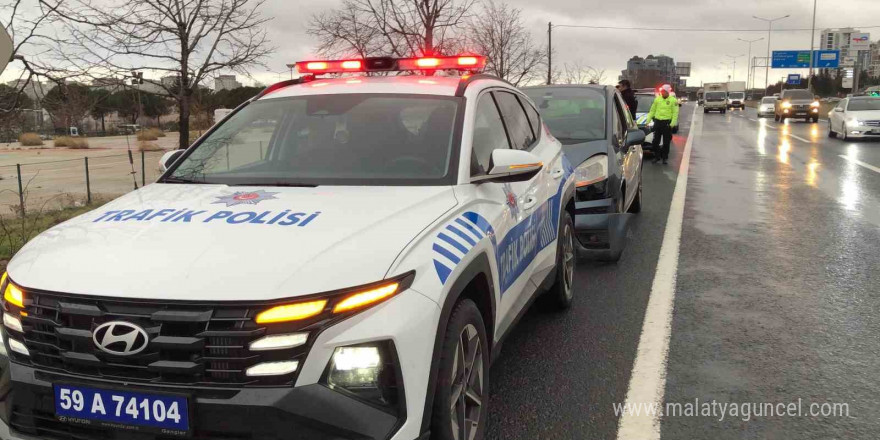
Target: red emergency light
[(469, 63)]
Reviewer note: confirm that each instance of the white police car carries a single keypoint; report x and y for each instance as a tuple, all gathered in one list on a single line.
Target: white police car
[(338, 259)]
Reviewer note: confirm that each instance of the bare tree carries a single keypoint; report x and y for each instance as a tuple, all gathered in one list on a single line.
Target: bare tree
[(189, 40), (499, 33), (578, 73), (391, 27)]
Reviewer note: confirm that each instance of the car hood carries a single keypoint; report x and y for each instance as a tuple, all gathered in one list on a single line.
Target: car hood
[(641, 118), (214, 242), (577, 153), (865, 115)]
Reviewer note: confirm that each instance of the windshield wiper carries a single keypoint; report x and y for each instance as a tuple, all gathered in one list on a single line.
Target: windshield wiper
[(284, 184), (179, 180)]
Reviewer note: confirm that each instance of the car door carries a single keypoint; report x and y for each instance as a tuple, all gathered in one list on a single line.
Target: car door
[(501, 204), (546, 189), (632, 162), (838, 117), (622, 163)]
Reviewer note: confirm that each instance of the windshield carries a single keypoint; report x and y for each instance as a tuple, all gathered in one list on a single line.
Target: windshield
[(716, 95), (736, 95), (798, 94), (768, 100), (572, 114), (863, 104), (344, 139), (645, 102)]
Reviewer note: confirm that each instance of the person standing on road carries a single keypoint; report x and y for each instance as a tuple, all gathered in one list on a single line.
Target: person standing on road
[(664, 113), (629, 97)]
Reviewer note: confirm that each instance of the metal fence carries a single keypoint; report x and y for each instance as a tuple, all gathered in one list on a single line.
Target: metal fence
[(49, 185)]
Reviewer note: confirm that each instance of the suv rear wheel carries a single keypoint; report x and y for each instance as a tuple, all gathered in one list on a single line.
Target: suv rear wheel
[(462, 398)]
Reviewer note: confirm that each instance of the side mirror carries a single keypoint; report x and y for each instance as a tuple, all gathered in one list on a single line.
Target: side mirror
[(506, 165), (635, 137), (168, 159)]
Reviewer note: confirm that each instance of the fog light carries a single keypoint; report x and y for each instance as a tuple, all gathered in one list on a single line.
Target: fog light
[(18, 347), (367, 371), (273, 368), (279, 342), (12, 322)]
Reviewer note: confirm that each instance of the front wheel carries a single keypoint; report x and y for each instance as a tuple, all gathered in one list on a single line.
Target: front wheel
[(815, 119), (461, 400), (561, 293), (831, 132)]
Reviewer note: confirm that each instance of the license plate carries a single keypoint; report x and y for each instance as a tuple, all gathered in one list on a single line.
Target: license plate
[(123, 410)]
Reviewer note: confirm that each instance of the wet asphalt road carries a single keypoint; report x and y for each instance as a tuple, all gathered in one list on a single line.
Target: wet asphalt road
[(777, 298)]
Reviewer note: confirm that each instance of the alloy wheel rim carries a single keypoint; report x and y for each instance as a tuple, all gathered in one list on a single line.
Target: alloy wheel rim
[(466, 398), (568, 261)]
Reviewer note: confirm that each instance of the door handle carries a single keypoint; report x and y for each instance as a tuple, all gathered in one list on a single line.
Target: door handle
[(557, 174), (530, 202)]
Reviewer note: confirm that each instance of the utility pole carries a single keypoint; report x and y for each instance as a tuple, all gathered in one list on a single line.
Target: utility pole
[(749, 73), (769, 31), (549, 53), (812, 41)]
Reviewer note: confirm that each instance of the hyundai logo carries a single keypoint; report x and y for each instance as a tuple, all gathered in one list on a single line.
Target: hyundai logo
[(120, 338)]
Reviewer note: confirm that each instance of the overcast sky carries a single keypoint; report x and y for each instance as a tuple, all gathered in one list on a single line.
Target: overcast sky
[(609, 49)]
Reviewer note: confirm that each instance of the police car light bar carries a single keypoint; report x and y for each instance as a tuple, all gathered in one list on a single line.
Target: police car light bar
[(464, 62)]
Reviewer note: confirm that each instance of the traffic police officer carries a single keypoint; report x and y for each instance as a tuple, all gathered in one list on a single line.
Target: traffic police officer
[(664, 113)]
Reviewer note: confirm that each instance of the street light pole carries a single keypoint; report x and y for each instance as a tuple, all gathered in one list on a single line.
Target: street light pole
[(749, 73), (769, 31), (812, 41), (734, 57), (549, 53)]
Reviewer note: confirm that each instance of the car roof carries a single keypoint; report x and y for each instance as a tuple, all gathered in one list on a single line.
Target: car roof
[(400, 84), (568, 86)]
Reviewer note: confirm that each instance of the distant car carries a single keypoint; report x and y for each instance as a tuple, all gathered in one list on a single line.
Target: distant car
[(766, 107), (857, 117), (604, 145), (796, 103)]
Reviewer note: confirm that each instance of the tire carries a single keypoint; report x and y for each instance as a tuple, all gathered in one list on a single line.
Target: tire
[(724, 111), (636, 206), (775, 117), (843, 135), (816, 120), (807, 120), (561, 293), (782, 119), (705, 110), (831, 132), (464, 366)]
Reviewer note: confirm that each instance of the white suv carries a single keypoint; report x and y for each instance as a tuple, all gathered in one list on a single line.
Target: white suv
[(338, 258)]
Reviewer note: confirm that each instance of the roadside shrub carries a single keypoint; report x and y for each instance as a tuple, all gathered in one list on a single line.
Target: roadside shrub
[(148, 146), (71, 142), (150, 134), (30, 140)]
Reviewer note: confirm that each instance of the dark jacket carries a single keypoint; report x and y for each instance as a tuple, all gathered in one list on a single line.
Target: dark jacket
[(629, 97)]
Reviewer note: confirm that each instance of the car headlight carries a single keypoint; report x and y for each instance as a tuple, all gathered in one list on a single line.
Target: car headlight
[(814, 104), (853, 122), (592, 170), (367, 371), (786, 104)]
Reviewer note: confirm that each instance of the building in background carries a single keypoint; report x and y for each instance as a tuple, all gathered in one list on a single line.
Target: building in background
[(653, 71), (840, 39), (225, 82), (874, 64)]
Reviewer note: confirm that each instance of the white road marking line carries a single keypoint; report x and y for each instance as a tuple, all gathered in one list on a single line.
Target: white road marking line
[(860, 163), (800, 138), (648, 380), (753, 119)]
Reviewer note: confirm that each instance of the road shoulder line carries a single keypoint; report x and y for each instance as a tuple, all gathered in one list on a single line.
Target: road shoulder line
[(648, 379)]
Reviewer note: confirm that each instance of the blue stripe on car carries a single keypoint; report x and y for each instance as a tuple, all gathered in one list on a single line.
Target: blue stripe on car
[(461, 234)]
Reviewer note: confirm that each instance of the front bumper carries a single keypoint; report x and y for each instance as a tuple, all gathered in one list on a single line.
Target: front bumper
[(862, 131), (600, 231), (309, 410)]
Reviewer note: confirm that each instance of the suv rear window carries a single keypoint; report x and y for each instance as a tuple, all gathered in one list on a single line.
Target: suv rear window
[(340, 139)]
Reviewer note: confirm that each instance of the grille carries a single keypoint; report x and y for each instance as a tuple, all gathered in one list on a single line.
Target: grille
[(192, 345), (872, 123)]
